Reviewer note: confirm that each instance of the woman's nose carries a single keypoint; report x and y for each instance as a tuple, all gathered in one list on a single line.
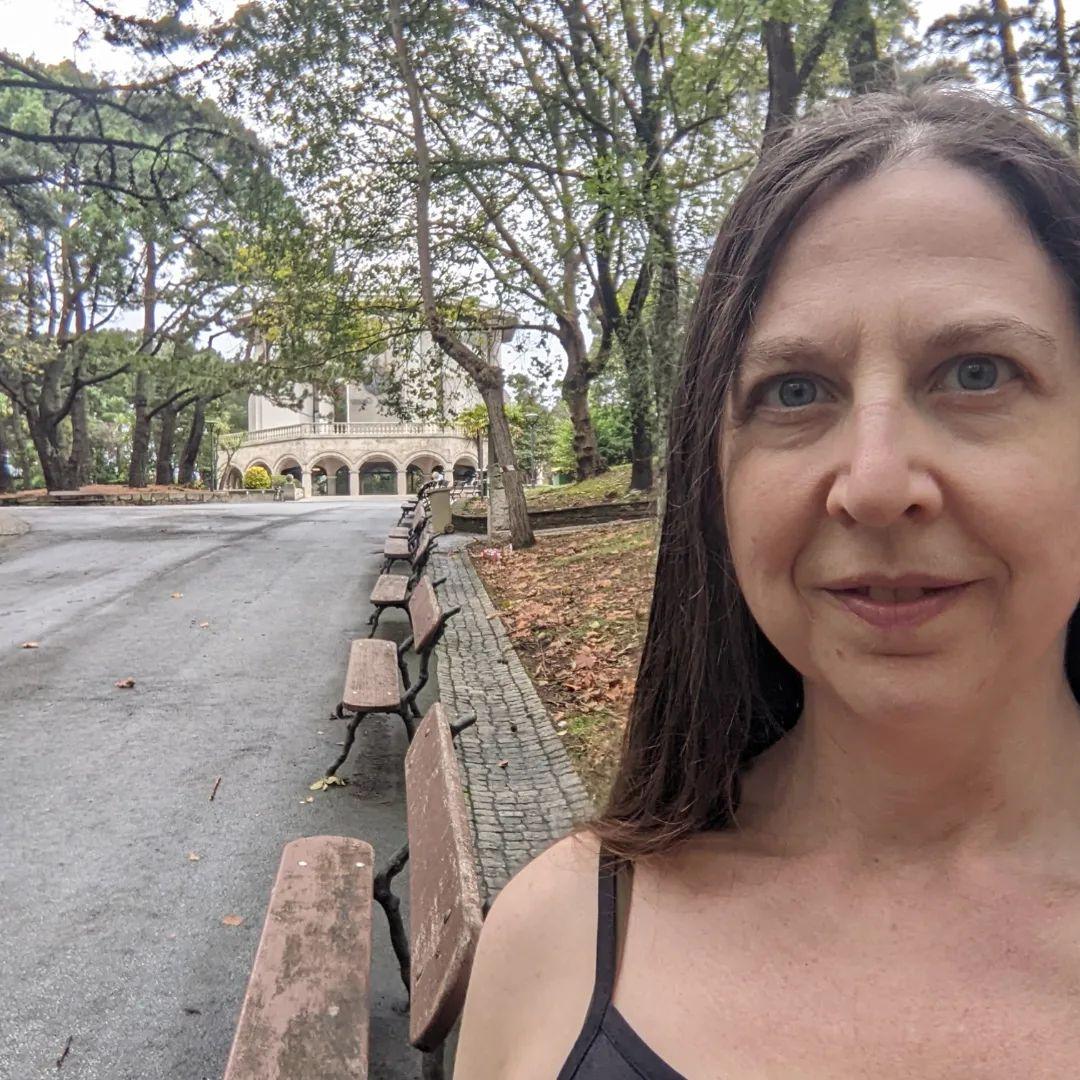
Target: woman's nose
[(880, 477)]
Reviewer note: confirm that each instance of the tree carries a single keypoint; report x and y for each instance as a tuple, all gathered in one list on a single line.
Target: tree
[(487, 376)]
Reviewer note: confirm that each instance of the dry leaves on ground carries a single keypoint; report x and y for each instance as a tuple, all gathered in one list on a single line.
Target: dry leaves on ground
[(124, 684), (232, 920), (576, 607)]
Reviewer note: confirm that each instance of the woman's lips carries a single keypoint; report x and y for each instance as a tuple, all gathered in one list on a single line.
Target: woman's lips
[(890, 609)]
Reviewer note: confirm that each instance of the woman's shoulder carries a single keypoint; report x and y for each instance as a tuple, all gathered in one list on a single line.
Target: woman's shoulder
[(532, 976)]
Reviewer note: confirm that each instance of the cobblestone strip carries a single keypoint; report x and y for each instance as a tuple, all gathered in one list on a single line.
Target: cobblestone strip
[(519, 808)]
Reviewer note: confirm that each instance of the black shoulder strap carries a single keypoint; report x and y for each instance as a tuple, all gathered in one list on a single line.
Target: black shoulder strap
[(605, 964)]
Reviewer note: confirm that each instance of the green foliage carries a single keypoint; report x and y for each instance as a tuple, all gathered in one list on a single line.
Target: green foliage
[(256, 478)]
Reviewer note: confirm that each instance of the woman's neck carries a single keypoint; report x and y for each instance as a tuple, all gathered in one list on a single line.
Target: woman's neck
[(927, 789)]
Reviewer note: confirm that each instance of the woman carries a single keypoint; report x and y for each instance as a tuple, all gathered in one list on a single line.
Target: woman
[(850, 788)]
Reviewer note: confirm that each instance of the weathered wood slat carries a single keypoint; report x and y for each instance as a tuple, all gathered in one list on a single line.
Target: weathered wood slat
[(396, 547), (424, 613), (390, 589), (372, 680), (305, 1014), (444, 896)]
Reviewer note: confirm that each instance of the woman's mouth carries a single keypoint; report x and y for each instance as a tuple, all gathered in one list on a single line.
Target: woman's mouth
[(901, 607)]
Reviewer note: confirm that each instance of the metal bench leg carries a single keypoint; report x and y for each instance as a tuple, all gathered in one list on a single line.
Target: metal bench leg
[(410, 725), (374, 620), (332, 771), (382, 892), (433, 1067)]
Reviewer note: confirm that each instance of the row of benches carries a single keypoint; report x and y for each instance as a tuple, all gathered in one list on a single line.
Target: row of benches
[(307, 1007)]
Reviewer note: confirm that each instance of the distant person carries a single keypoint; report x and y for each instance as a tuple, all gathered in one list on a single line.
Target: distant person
[(844, 836)]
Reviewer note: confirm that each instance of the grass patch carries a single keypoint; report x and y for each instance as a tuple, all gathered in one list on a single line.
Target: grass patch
[(612, 486), (576, 607)]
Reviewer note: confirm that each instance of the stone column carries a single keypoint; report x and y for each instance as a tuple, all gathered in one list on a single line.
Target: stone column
[(402, 481), (305, 482), (354, 481)]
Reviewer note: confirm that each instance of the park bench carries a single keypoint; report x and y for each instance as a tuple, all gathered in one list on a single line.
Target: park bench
[(401, 548), (306, 1011), (416, 525), (395, 590), (378, 678)]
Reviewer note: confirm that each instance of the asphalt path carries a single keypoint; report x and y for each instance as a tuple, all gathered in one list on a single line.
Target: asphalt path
[(110, 934)]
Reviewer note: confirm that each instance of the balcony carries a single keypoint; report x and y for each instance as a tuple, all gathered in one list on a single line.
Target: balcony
[(327, 429)]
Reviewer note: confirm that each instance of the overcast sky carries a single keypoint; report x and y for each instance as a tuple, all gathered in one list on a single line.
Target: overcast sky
[(48, 28)]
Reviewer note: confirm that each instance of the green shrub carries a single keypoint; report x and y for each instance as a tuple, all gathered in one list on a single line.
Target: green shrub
[(278, 480), (256, 478)]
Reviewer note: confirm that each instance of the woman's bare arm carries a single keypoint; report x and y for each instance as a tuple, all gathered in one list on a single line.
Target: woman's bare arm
[(532, 977)]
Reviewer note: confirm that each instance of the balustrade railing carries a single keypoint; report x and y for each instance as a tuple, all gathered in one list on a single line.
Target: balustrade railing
[(330, 429)]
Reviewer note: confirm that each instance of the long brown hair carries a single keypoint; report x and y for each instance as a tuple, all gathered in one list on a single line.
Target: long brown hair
[(712, 692)]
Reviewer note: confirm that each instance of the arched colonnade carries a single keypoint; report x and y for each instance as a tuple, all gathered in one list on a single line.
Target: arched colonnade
[(376, 473)]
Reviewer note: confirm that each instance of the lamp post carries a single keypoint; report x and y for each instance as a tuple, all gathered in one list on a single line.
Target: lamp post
[(531, 419)]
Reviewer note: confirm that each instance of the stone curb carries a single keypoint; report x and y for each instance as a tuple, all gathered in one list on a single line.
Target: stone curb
[(519, 808)]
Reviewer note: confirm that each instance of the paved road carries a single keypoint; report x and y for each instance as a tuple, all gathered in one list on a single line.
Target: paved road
[(110, 934)]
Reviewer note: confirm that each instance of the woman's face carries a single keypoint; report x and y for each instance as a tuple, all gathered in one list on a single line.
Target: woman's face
[(901, 451)]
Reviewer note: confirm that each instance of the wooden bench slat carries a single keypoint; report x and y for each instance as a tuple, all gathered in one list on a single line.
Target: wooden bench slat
[(424, 612), (372, 680), (444, 895), (305, 1013), (398, 531), (390, 589), (397, 546)]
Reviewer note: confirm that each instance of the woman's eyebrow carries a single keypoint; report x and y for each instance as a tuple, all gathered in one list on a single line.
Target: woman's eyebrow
[(798, 348), (956, 333)]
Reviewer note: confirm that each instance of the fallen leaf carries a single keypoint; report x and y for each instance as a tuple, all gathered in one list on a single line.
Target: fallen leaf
[(175, 595), (29, 645), (203, 625), (193, 856), (504, 763), (124, 684), (232, 920), (325, 782)]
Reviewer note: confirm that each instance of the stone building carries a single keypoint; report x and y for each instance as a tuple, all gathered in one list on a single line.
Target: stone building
[(351, 444)]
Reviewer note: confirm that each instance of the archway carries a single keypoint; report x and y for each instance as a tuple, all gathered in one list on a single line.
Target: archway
[(378, 477), (289, 466), (464, 470), (330, 476), (233, 479), (418, 470)]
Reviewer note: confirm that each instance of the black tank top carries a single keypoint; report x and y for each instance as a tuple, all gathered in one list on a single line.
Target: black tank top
[(608, 1048)]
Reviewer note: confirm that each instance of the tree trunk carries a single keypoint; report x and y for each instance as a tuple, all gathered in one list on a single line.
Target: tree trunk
[(635, 354), (20, 443), (7, 482), (521, 534), (784, 87), (866, 71), (190, 455), (1064, 76), (81, 456), (1009, 58), (140, 432), (575, 392), (487, 377), (166, 438)]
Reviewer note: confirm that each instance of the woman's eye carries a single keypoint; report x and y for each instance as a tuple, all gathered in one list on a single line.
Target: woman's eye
[(791, 392), (976, 373)]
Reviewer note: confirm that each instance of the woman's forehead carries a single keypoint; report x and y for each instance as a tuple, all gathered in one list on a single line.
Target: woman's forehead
[(926, 242)]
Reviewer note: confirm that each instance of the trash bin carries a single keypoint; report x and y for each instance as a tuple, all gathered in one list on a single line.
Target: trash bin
[(439, 501)]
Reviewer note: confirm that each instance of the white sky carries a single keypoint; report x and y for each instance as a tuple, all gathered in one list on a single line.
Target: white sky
[(48, 28)]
